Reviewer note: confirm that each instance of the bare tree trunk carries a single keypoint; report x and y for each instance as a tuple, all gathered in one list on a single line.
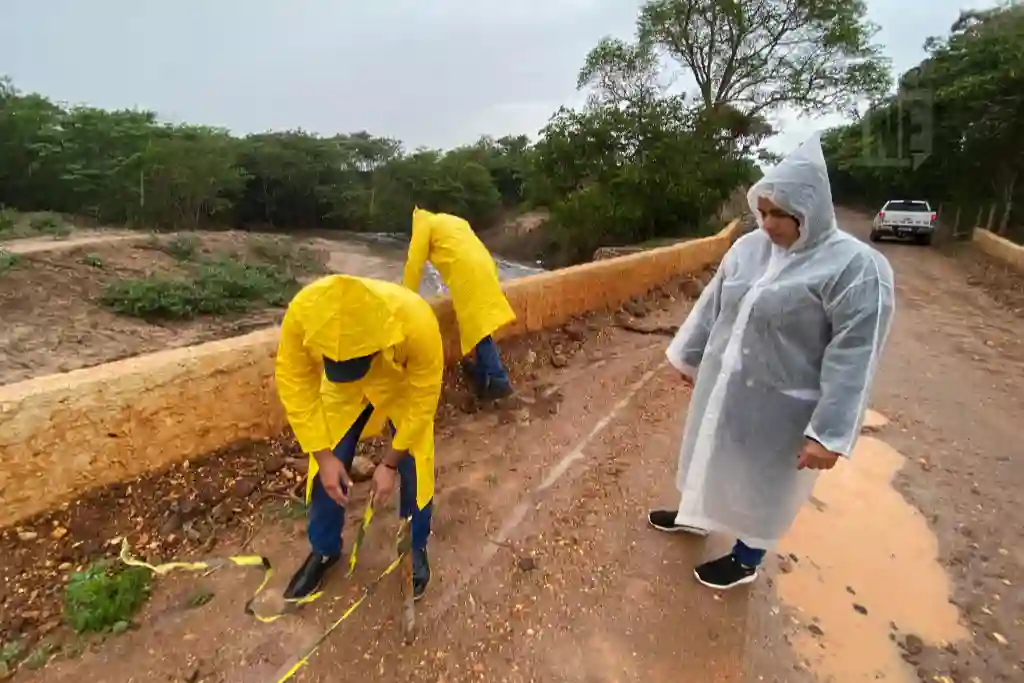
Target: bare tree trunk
[(1008, 198), (991, 217)]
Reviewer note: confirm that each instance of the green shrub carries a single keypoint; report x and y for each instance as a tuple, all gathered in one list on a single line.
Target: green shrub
[(201, 596), (10, 653), (49, 224), (220, 287), (152, 297), (91, 260), (40, 655), (182, 247), (284, 254), (8, 260), (104, 596), (271, 250), (8, 222)]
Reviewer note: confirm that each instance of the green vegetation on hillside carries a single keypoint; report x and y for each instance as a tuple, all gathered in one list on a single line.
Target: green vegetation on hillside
[(213, 284), (14, 225), (640, 161), (952, 133), (8, 260)]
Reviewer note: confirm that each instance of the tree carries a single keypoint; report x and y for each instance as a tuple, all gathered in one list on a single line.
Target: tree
[(620, 73), (980, 71), (974, 78), (613, 176), (128, 167), (762, 55)]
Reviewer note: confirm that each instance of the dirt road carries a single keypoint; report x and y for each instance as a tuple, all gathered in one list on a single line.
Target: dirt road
[(546, 572), (952, 381), (34, 245)]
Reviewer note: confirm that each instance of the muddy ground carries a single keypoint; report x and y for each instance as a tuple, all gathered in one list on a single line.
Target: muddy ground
[(544, 570), (951, 381)]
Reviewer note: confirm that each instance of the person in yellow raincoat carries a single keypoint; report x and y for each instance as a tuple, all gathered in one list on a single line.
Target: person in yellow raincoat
[(471, 276), (354, 354)]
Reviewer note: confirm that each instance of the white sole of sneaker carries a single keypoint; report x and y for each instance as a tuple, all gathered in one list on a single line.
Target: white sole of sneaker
[(742, 582), (691, 530)]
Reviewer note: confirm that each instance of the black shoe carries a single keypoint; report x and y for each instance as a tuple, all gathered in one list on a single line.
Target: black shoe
[(420, 573), (468, 368), (665, 520), (310, 576), (725, 573), (495, 389)]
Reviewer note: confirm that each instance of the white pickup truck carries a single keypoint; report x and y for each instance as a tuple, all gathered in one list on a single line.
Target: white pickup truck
[(905, 219)]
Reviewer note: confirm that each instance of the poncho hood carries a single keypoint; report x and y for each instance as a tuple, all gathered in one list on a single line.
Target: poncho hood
[(799, 185)]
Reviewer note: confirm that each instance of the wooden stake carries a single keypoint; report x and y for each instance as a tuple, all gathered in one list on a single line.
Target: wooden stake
[(405, 579)]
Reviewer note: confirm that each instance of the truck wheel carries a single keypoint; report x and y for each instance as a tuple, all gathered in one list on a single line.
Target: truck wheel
[(875, 237)]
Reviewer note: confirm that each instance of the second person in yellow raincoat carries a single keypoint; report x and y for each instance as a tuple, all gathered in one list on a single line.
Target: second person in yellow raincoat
[(471, 276), (356, 353)]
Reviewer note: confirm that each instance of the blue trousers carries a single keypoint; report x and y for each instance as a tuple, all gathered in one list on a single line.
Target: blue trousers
[(747, 556), (326, 519), (488, 366)]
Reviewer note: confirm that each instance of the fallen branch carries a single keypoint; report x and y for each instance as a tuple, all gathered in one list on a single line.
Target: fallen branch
[(646, 328)]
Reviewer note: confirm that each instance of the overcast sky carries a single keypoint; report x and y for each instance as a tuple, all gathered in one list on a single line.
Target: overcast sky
[(430, 72)]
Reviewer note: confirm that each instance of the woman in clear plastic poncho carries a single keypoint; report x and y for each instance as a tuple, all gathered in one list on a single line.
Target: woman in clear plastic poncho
[(782, 347)]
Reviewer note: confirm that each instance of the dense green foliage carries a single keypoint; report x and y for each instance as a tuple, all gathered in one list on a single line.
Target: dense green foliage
[(952, 133), (639, 161), (127, 167), (761, 55), (104, 597)]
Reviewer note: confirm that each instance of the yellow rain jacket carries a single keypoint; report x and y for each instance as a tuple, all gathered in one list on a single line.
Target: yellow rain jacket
[(343, 317), (468, 270)]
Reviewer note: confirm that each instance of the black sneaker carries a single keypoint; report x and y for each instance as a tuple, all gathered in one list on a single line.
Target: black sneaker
[(420, 573), (310, 576), (665, 520), (495, 389), (468, 368), (725, 573)]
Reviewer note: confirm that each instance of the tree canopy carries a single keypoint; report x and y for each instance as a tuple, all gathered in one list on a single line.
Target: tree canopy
[(953, 132), (762, 55), (128, 167)]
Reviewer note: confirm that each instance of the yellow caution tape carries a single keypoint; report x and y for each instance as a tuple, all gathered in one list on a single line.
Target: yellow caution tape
[(367, 592), (268, 572)]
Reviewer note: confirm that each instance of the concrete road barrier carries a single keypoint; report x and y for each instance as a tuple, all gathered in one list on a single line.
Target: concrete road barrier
[(1000, 248)]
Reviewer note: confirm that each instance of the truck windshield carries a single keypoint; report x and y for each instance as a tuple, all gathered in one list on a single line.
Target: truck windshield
[(907, 206)]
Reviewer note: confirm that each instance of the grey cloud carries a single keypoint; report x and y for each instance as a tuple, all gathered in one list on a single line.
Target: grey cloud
[(436, 73), (429, 73)]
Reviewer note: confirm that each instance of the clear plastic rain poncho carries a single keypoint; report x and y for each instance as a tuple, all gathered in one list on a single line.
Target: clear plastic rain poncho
[(784, 344)]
